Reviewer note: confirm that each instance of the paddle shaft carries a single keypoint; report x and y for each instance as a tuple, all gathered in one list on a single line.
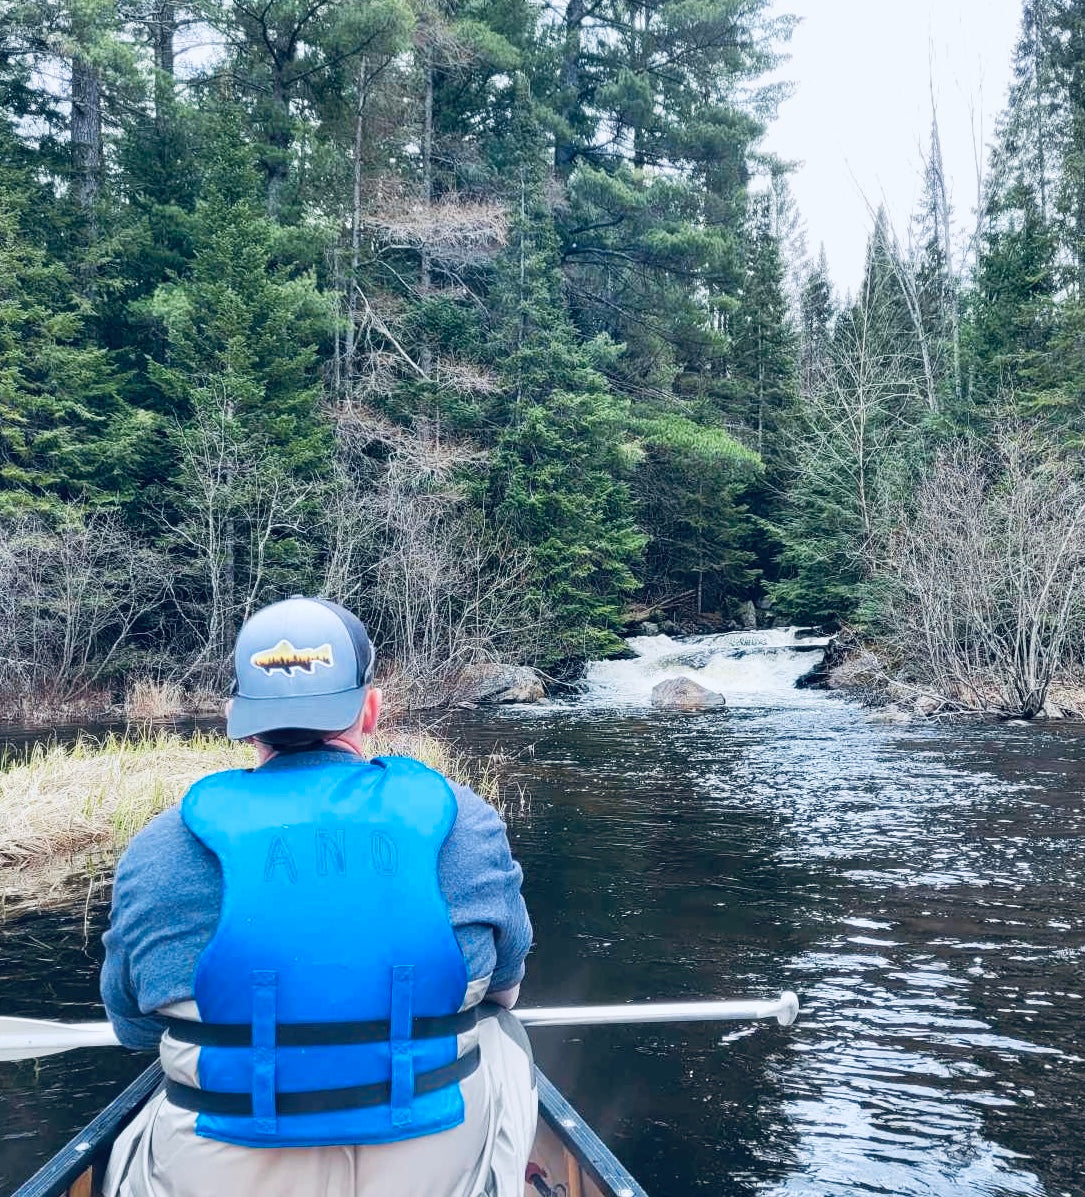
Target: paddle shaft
[(784, 1009), (29, 1038)]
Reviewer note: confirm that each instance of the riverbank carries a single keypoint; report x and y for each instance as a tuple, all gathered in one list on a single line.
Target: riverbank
[(146, 699), (61, 803), (142, 700), (859, 668)]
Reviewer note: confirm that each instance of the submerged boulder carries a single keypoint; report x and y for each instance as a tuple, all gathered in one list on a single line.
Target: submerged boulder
[(892, 713), (489, 683), (684, 694)]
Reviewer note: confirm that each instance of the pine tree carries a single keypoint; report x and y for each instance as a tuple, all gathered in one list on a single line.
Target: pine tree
[(817, 307), (933, 286), (650, 243), (292, 54), (762, 357), (1022, 338), (1013, 315), (65, 432), (859, 418), (655, 145), (702, 541), (242, 385), (1012, 307), (556, 474), (241, 313), (1064, 52)]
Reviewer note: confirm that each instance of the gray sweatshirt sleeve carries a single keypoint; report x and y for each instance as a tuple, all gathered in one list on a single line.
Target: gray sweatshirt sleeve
[(167, 894), (481, 882)]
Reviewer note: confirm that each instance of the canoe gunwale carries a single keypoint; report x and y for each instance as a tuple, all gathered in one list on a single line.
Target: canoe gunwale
[(91, 1146), (589, 1151), (87, 1148)]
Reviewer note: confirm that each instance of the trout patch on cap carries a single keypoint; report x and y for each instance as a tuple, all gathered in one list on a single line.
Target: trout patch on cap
[(286, 657)]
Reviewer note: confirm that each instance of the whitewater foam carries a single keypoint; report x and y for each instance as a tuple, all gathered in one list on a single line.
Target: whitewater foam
[(746, 667)]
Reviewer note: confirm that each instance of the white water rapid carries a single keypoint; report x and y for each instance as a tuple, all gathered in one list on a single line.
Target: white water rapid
[(748, 668)]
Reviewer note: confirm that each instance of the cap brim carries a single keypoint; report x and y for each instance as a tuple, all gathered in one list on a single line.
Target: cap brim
[(318, 712)]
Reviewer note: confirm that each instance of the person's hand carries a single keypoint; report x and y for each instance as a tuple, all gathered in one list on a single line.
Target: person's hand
[(506, 998)]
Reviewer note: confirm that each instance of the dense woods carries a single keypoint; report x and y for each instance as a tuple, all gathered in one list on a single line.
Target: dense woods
[(490, 320)]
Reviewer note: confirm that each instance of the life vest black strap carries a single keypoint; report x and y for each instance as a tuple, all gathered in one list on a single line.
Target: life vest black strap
[(320, 1101), (317, 1034)]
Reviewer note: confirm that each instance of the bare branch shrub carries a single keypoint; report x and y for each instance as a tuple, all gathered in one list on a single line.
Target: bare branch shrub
[(983, 582), (466, 377), (404, 547), (71, 596), (451, 228), (238, 504), (374, 361)]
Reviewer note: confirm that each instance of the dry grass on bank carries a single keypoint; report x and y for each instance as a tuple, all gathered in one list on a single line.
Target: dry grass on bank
[(153, 698), (64, 801)]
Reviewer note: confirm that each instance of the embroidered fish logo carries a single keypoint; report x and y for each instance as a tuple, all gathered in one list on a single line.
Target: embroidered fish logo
[(286, 657)]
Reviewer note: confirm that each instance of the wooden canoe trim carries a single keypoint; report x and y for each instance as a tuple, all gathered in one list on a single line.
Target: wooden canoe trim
[(572, 1165), (82, 1186)]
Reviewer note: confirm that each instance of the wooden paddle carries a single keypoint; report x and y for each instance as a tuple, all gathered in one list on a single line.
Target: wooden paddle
[(29, 1038)]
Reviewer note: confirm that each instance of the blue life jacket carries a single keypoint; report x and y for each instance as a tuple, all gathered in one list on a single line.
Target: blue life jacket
[(330, 994)]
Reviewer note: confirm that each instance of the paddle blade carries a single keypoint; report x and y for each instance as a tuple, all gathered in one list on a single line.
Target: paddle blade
[(789, 1008), (30, 1038)]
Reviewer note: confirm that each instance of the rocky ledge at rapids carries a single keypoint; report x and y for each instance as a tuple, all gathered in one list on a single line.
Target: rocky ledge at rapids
[(485, 684)]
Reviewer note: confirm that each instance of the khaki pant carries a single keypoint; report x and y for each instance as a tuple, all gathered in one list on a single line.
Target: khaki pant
[(160, 1155)]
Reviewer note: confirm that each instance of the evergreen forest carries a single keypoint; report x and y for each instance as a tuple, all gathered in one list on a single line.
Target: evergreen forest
[(493, 321)]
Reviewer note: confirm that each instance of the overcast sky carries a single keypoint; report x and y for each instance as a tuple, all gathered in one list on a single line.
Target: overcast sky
[(859, 118)]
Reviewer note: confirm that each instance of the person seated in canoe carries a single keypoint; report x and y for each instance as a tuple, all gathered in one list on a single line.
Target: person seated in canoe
[(324, 949)]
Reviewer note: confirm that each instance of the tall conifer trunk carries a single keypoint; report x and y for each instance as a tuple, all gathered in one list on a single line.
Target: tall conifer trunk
[(355, 226), (565, 151), (86, 135), (164, 30), (425, 280), (640, 66), (1075, 164), (1036, 17), (279, 138)]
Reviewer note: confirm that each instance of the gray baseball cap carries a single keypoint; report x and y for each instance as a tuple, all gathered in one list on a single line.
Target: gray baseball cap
[(302, 663)]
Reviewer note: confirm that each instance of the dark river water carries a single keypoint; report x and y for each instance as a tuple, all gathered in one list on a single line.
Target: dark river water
[(920, 888)]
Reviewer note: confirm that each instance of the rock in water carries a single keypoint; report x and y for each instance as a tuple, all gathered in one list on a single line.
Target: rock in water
[(747, 615), (487, 683), (890, 714), (684, 694)]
